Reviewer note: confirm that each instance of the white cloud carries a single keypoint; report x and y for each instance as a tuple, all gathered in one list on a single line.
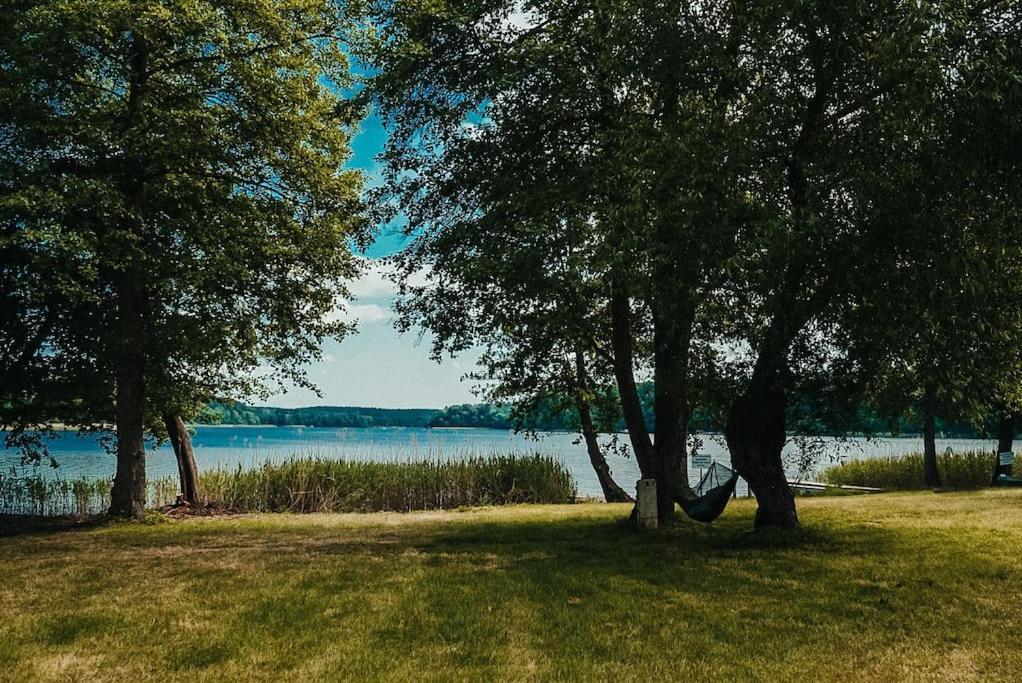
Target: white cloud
[(363, 313), (372, 295), (377, 282), (374, 283)]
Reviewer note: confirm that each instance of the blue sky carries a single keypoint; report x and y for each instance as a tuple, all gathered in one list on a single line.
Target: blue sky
[(377, 366)]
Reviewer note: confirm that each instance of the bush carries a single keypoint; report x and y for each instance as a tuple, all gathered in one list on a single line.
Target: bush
[(964, 470)]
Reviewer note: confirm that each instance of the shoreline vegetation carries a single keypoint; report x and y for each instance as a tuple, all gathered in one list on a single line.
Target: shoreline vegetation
[(959, 471), (318, 484), (313, 483)]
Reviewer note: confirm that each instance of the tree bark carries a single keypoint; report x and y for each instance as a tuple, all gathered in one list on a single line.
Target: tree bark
[(187, 471), (631, 406), (671, 330), (611, 491), (1005, 442), (930, 471), (755, 435), (128, 496)]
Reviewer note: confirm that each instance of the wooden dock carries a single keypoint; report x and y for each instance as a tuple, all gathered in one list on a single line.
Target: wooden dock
[(820, 486)]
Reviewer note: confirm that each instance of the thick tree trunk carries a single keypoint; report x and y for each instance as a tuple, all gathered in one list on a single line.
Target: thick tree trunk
[(128, 496), (182, 444), (1006, 433), (611, 491), (755, 434), (1005, 442), (930, 472), (672, 326)]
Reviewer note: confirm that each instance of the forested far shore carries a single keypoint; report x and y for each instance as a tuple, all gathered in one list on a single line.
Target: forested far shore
[(316, 416), (494, 416)]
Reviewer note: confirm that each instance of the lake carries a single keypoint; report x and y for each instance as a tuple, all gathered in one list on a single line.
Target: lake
[(229, 447)]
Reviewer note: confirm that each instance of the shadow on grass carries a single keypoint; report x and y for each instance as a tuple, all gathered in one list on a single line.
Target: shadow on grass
[(573, 595), (580, 581), (18, 525)]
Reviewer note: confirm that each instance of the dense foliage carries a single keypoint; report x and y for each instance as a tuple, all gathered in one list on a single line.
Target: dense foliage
[(176, 216), (745, 203)]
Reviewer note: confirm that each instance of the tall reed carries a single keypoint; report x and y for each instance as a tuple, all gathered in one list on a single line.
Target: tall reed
[(322, 485), (38, 495), (961, 470), (318, 484)]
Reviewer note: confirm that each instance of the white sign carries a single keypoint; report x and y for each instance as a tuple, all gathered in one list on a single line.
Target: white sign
[(1007, 459), (701, 460)]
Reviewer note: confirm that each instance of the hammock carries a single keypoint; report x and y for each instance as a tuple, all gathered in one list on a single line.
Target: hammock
[(712, 494)]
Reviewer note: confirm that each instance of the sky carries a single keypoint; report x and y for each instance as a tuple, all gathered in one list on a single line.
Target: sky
[(377, 366)]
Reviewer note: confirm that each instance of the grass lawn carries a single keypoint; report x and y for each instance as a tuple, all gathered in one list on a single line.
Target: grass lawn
[(885, 587)]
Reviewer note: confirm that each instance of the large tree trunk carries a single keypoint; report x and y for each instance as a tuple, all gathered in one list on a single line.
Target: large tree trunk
[(672, 327), (755, 434), (930, 472), (611, 491), (1005, 442), (187, 471), (128, 496)]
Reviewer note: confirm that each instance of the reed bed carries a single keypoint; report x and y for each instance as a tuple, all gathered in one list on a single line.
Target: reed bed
[(322, 485), (961, 470), (45, 496), (317, 484)]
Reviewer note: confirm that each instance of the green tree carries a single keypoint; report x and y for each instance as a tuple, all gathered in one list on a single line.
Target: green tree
[(723, 166), (957, 353), (187, 158), (552, 178)]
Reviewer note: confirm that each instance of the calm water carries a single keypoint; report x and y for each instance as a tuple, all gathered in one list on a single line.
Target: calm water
[(249, 446)]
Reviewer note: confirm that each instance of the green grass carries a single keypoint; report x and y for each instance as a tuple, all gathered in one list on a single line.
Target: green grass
[(912, 586), (316, 484), (962, 470)]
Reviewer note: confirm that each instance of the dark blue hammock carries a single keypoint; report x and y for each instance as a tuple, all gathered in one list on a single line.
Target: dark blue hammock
[(712, 494)]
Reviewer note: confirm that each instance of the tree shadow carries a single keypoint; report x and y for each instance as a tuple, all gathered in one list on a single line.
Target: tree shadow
[(20, 525)]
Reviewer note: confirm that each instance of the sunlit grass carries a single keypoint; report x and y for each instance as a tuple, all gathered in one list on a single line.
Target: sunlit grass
[(890, 587)]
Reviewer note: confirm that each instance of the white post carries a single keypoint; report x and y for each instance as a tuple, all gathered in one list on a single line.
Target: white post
[(645, 503)]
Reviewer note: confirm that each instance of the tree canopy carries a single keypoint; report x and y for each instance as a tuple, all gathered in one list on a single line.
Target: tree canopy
[(175, 204), (715, 197)]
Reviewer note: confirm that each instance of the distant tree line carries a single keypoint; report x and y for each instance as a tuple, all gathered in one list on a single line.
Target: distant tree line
[(868, 420), (317, 416)]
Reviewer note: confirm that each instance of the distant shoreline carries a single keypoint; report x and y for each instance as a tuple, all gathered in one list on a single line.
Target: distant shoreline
[(62, 427)]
